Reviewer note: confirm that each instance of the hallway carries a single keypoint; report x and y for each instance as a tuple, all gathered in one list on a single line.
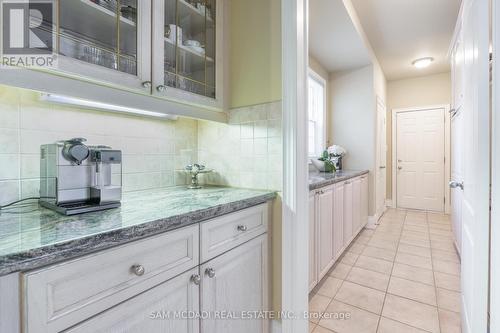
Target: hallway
[(402, 277)]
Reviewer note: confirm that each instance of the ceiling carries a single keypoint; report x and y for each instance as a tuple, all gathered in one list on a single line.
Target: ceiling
[(333, 40), (401, 31)]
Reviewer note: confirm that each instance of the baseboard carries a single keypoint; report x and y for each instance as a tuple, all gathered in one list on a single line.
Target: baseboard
[(389, 203), (372, 222)]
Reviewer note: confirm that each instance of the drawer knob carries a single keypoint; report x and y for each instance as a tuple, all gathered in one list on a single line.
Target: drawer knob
[(210, 272), (138, 270), (146, 84), (196, 279), (161, 88), (242, 228)]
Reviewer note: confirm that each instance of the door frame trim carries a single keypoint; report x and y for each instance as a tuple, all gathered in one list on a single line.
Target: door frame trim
[(447, 153)]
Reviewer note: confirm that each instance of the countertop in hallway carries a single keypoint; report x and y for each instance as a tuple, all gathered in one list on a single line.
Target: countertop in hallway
[(322, 179)]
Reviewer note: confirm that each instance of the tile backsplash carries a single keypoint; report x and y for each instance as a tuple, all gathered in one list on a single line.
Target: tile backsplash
[(152, 148), (246, 152)]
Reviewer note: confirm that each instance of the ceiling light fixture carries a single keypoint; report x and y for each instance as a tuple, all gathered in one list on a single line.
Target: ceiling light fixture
[(423, 62), (87, 104)]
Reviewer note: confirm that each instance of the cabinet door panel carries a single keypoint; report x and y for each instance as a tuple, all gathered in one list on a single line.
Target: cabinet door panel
[(356, 206), (364, 200), (348, 214), (239, 284), (338, 221), (313, 272), (151, 311), (115, 48), (325, 231)]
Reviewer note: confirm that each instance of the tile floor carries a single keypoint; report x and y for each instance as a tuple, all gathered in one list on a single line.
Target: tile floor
[(404, 276)]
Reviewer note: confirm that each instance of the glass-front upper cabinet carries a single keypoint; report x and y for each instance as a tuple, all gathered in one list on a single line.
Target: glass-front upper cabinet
[(109, 38), (186, 56)]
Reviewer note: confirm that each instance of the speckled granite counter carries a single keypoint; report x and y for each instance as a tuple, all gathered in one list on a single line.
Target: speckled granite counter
[(32, 236), (322, 179)]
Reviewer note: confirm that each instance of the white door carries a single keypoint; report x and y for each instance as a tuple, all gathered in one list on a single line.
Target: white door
[(347, 226), (338, 220), (236, 282), (420, 154), (381, 158), (151, 311), (476, 167), (457, 160), (313, 273), (325, 231)]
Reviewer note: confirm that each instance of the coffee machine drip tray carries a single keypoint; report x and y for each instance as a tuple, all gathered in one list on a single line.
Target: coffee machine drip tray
[(73, 208)]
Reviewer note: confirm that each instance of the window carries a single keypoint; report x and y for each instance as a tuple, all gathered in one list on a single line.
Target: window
[(317, 113)]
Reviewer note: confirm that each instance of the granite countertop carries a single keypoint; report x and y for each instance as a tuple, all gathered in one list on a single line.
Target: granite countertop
[(322, 179), (32, 236)]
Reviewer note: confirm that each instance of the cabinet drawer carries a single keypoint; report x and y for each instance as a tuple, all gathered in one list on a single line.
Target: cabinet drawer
[(63, 295), (222, 234)]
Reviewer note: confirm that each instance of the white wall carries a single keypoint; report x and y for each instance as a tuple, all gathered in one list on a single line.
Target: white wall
[(353, 120), (414, 92)]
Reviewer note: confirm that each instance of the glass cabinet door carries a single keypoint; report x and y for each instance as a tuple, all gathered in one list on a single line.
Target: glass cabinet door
[(103, 33), (189, 32)]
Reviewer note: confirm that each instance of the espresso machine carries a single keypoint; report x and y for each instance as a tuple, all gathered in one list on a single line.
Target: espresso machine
[(77, 178)]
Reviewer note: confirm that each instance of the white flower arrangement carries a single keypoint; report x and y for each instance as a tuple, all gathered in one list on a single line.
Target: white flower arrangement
[(336, 151)]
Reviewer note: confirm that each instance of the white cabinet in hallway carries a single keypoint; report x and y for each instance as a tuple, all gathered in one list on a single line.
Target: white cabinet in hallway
[(325, 230), (337, 213), (237, 282), (348, 213), (313, 274)]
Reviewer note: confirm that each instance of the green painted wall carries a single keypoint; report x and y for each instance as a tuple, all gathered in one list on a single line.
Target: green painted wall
[(255, 52)]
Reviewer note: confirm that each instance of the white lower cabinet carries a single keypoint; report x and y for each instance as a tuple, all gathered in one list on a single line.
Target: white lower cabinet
[(348, 213), (157, 284), (234, 285), (164, 308), (325, 231), (337, 213), (313, 273)]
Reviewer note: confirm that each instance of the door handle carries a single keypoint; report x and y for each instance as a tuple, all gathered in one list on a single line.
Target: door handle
[(454, 184), (382, 167)]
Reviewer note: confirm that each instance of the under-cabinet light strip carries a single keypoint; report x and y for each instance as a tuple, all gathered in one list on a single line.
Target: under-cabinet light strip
[(65, 100)]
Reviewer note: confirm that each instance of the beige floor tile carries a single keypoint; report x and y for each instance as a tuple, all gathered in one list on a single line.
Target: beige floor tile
[(356, 248), (415, 250), (413, 290), (320, 329), (439, 232), (415, 241), (450, 322), (441, 238), (412, 313), (358, 321), (374, 264), (329, 286), (368, 278), (340, 270), (317, 305), (440, 226), (415, 234), (376, 252), (445, 255), (383, 244), (349, 258), (361, 239), (387, 325), (362, 297), (413, 273), (447, 281), (447, 267), (311, 326), (448, 300), (421, 230), (413, 260), (443, 245)]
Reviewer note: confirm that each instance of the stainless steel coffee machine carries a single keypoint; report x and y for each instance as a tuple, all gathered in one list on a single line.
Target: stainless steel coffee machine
[(77, 178)]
